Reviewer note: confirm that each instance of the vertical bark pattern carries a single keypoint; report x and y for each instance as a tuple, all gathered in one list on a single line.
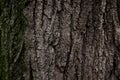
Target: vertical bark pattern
[(74, 39)]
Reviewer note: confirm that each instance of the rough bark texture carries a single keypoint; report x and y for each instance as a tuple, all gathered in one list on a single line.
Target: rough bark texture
[(74, 40), (13, 25)]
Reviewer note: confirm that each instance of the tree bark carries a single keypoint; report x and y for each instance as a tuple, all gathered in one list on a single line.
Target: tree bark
[(13, 25), (73, 40)]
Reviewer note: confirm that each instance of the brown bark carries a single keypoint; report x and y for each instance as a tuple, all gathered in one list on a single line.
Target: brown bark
[(74, 39)]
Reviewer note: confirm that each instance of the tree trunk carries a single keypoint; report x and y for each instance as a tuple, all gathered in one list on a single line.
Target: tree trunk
[(13, 25), (74, 39)]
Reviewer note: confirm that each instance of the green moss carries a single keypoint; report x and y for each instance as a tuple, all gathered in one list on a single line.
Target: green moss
[(13, 25)]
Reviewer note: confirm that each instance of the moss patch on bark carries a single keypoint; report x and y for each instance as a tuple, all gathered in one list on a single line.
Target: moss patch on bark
[(13, 25)]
